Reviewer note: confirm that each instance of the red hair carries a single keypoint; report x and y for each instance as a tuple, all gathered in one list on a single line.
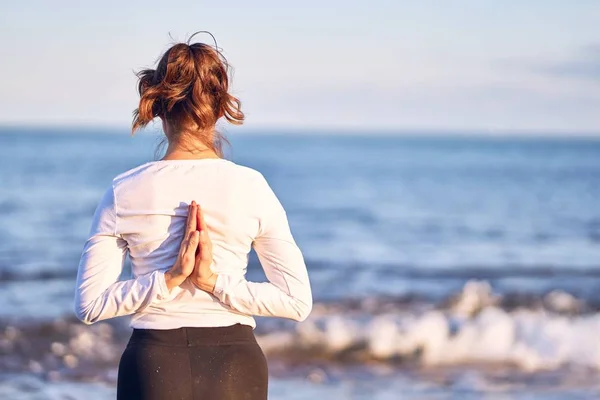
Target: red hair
[(190, 90)]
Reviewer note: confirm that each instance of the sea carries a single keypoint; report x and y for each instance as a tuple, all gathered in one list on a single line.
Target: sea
[(443, 266)]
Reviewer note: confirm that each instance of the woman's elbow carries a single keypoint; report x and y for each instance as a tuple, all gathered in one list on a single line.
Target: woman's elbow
[(84, 314), (303, 308)]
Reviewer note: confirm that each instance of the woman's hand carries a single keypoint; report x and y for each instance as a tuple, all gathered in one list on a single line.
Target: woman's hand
[(186, 260), (202, 276)]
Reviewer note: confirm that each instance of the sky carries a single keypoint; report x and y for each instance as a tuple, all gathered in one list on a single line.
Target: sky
[(507, 66)]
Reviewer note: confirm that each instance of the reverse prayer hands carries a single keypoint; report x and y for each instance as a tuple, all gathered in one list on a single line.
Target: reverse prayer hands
[(195, 255)]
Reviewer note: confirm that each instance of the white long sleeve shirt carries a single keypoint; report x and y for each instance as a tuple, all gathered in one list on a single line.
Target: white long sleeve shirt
[(144, 212)]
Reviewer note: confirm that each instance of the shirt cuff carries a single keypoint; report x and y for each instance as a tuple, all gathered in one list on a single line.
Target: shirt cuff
[(163, 290), (220, 284)]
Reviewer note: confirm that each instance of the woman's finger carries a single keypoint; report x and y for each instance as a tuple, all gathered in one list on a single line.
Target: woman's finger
[(192, 222), (205, 246), (192, 243), (200, 222)]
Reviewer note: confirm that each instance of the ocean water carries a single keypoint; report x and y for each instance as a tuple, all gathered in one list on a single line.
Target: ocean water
[(442, 267)]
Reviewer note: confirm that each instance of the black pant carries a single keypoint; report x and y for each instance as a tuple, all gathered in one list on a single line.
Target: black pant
[(221, 363)]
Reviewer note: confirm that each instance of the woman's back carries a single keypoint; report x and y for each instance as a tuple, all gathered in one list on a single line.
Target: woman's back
[(144, 212)]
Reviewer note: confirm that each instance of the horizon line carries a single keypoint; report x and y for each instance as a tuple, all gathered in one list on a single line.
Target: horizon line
[(316, 130)]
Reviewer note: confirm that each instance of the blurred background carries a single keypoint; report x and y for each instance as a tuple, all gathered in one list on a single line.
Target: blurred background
[(439, 162)]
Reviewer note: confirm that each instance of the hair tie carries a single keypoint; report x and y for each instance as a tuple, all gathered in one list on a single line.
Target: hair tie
[(207, 32)]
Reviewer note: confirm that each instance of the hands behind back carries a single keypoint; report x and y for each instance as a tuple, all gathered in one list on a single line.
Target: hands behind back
[(195, 255)]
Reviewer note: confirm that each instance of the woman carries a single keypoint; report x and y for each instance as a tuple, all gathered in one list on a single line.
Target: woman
[(190, 303)]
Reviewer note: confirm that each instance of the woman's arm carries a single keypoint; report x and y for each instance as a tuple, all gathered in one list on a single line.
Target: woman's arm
[(99, 294), (288, 293)]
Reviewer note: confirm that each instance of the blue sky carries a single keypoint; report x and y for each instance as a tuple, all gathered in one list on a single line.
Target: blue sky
[(486, 66)]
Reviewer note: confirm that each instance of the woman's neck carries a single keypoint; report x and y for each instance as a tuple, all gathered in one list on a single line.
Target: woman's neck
[(177, 151)]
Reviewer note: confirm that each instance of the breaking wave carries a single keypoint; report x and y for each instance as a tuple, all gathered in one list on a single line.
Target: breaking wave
[(475, 326)]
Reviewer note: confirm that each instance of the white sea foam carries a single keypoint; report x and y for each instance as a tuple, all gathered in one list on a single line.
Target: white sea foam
[(473, 330)]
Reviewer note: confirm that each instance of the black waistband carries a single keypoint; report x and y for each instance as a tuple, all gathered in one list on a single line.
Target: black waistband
[(194, 336)]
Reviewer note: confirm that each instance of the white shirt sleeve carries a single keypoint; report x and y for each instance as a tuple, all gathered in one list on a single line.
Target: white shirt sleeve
[(99, 294), (288, 293)]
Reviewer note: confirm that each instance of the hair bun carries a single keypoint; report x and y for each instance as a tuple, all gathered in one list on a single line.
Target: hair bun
[(189, 89)]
